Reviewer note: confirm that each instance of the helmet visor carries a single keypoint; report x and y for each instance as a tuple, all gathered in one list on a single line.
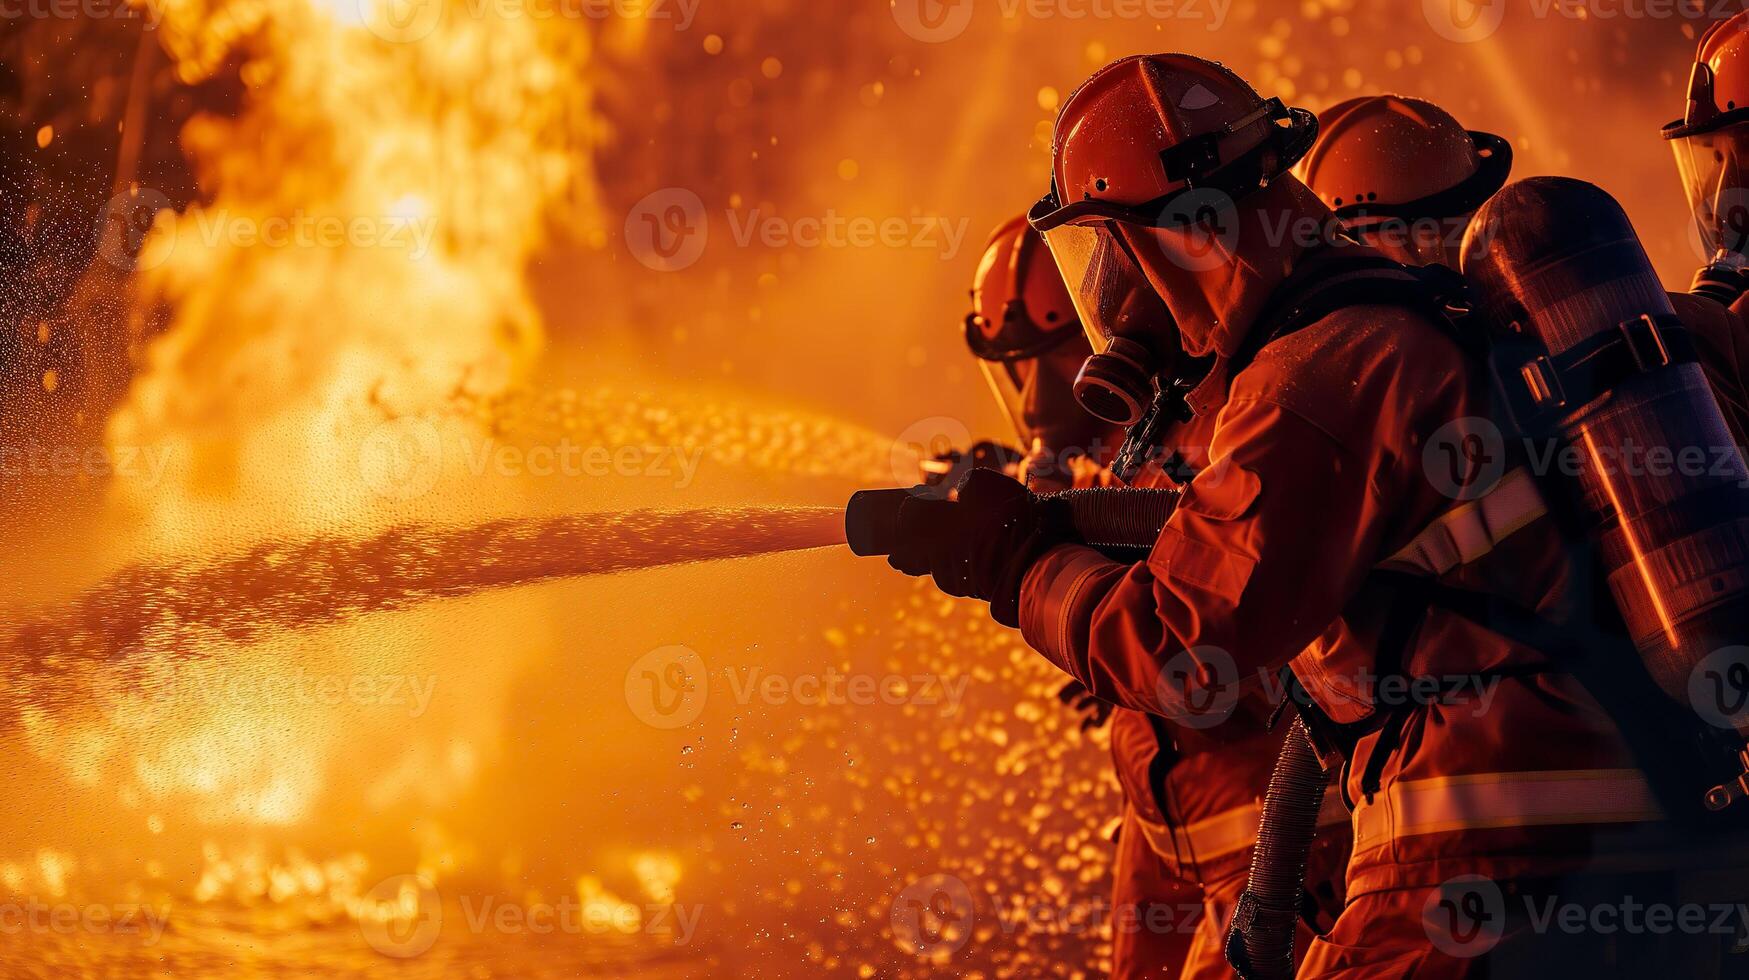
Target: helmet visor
[(1008, 381), (1110, 291), (1715, 175)]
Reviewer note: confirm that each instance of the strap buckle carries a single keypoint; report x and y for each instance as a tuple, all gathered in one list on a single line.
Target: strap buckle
[(1543, 382), (1645, 341)]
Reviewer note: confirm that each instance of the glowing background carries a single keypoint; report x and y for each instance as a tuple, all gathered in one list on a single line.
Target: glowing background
[(307, 387)]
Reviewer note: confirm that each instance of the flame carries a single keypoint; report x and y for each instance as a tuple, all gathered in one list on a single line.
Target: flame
[(371, 213), (359, 252)]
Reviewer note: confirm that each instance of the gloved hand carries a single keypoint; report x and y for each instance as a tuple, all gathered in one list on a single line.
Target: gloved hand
[(982, 543), (1094, 711)]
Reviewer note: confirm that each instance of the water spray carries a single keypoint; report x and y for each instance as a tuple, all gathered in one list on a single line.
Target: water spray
[(281, 585)]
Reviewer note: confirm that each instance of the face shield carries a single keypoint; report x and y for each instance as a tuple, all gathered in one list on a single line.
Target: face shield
[(1008, 380), (1027, 388), (1714, 166), (1111, 293)]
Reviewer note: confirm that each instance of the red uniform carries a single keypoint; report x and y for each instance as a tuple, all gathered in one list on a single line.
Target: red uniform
[(1318, 476)]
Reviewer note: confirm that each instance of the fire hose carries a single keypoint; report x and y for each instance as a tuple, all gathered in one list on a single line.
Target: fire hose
[(1260, 939), (1120, 522)]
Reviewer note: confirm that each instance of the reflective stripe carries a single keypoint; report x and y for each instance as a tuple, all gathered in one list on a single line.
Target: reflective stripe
[(1467, 532), (1504, 799), (1224, 833)]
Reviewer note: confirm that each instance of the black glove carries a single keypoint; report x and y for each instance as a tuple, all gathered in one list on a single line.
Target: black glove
[(1094, 711), (982, 543)]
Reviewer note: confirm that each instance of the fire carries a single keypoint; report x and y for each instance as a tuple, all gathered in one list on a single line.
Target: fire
[(361, 250)]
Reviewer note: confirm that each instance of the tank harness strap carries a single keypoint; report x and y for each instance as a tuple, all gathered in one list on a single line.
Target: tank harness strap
[(1557, 383)]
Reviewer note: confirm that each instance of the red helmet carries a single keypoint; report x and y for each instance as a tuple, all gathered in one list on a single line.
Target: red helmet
[(1024, 332), (1712, 148), (1020, 308), (1380, 158), (1152, 141)]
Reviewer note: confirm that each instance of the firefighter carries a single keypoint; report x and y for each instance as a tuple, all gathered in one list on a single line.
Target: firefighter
[(1340, 407), (1711, 143), (1403, 175), (1191, 811), (1029, 344)]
